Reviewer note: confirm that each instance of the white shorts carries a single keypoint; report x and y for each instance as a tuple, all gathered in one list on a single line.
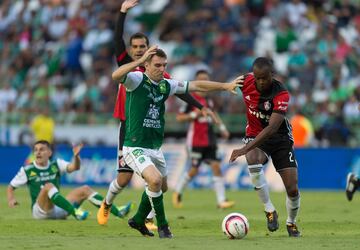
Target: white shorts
[(140, 158), (56, 213)]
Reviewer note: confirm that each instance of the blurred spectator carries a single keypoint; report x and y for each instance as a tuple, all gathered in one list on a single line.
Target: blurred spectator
[(303, 130), (336, 132), (7, 97), (285, 35), (42, 125)]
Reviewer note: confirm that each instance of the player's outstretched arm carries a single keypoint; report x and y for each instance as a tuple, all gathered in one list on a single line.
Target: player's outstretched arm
[(76, 162), (128, 4), (12, 202), (205, 86), (120, 73), (189, 99), (122, 57)]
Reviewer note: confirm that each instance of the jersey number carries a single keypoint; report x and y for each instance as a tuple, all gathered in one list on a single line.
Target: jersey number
[(291, 159)]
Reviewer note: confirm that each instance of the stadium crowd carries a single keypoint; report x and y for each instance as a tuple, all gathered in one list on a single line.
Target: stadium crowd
[(59, 54)]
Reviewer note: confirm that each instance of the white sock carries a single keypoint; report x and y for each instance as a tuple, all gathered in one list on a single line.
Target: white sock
[(292, 207), (258, 179), (151, 215), (113, 191), (52, 192), (93, 200), (151, 195), (219, 188), (184, 180)]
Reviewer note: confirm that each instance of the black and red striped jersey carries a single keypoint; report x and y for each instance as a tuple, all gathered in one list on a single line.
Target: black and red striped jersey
[(201, 131), (260, 106)]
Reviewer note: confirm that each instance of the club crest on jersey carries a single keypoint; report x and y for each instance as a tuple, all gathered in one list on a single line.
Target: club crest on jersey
[(54, 169), (162, 87), (267, 105)]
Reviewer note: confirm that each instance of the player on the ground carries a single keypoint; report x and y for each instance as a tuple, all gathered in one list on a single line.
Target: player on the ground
[(269, 133), (202, 147), (42, 176), (139, 43), (146, 94)]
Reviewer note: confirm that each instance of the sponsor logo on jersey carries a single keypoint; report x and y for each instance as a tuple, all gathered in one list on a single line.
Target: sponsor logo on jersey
[(153, 112), (267, 105), (138, 152), (157, 98), (259, 115)]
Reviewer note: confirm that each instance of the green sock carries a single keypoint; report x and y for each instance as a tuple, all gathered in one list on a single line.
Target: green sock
[(159, 210), (97, 199), (60, 201), (143, 210)]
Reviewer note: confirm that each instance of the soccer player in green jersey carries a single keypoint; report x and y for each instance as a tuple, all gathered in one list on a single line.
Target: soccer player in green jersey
[(146, 94), (42, 177)]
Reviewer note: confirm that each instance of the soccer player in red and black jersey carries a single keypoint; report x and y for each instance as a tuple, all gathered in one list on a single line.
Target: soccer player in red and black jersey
[(269, 133), (139, 43), (202, 146)]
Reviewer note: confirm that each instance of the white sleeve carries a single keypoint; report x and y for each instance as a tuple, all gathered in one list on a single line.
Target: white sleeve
[(19, 179), (62, 165), (133, 80), (178, 87)]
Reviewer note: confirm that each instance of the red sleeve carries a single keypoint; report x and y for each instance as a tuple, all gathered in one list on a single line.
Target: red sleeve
[(167, 75), (249, 79), (119, 111), (281, 102)]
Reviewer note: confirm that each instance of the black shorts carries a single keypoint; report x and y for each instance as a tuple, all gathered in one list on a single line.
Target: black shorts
[(200, 154), (280, 149), (121, 165)]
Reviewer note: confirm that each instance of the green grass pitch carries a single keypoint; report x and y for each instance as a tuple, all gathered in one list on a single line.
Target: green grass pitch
[(327, 221)]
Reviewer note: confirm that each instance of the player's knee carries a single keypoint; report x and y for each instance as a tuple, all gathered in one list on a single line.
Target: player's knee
[(292, 191), (255, 157), (86, 189), (257, 177), (155, 182)]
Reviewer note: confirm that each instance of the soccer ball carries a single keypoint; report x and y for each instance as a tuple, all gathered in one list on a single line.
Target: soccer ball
[(235, 226)]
